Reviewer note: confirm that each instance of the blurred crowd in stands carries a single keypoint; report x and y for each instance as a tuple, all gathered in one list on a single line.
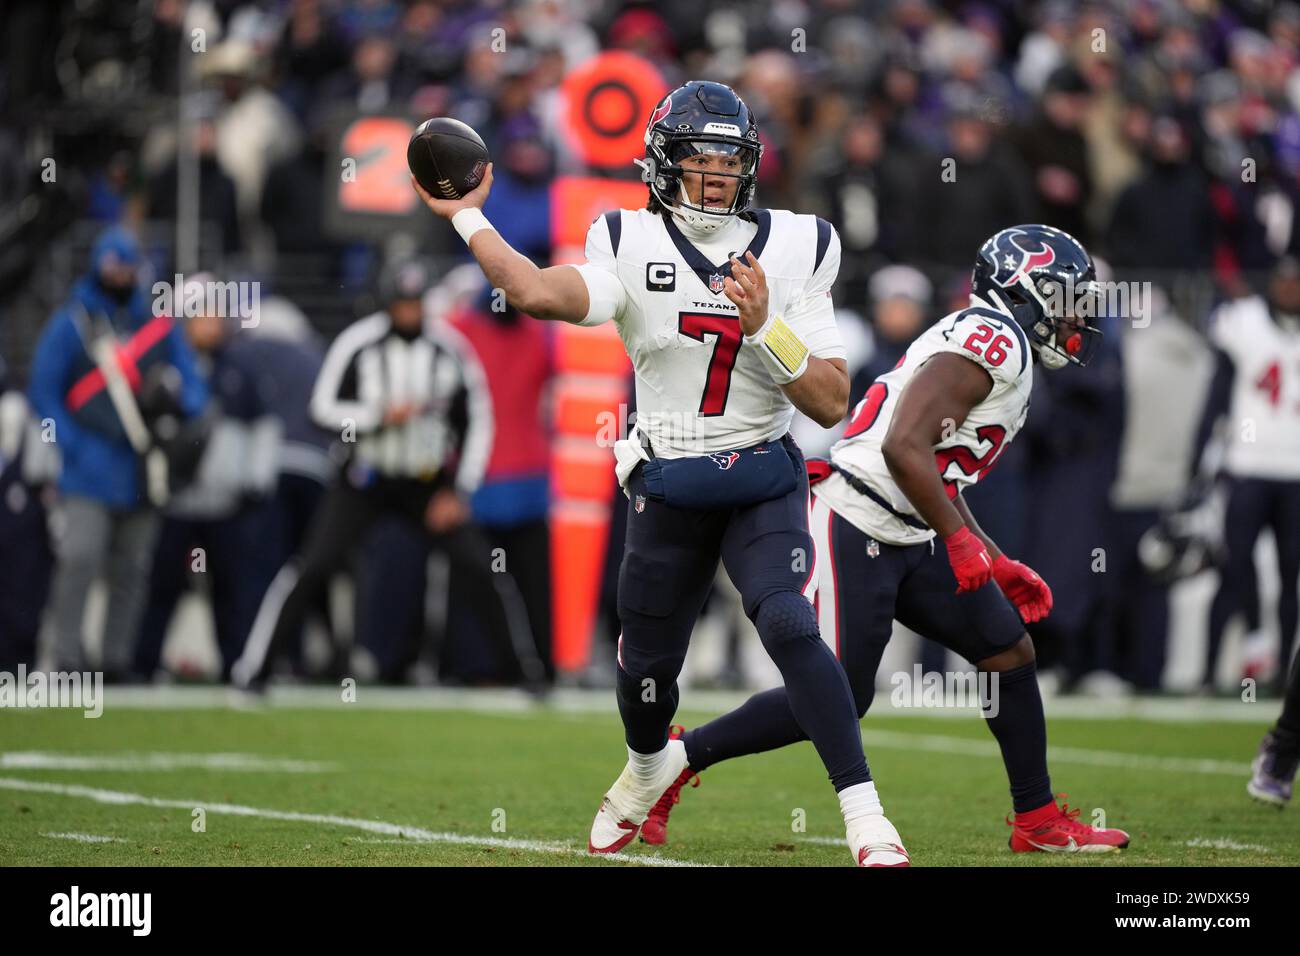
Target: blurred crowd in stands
[(1164, 134)]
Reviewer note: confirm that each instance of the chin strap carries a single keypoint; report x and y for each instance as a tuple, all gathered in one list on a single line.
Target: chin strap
[(702, 223), (696, 225), (1050, 357)]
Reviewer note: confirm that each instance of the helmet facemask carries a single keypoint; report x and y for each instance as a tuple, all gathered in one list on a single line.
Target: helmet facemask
[(670, 176), (1047, 281), (1044, 306)]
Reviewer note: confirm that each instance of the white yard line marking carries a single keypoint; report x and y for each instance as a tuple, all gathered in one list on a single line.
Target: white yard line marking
[(962, 746), (538, 846), (83, 837), (413, 834), (597, 701), (1225, 844), (247, 763), (825, 841)]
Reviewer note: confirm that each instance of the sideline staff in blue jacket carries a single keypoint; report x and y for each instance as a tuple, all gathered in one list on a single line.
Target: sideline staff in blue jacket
[(105, 511)]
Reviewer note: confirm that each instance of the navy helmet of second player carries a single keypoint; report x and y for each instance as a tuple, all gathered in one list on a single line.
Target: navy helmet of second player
[(1021, 279), (1042, 275)]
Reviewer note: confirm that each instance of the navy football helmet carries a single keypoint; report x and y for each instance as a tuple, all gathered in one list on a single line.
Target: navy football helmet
[(1042, 275), (700, 117)]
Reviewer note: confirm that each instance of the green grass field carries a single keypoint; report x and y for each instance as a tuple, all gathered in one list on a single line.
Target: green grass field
[(346, 785)]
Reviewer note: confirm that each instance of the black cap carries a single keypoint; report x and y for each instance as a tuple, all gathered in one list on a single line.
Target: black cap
[(405, 279)]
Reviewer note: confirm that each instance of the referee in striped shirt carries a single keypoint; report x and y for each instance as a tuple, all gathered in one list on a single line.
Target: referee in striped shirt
[(412, 410)]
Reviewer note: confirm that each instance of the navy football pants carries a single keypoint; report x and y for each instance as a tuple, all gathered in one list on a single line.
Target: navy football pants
[(669, 562), (1253, 504), (863, 587)]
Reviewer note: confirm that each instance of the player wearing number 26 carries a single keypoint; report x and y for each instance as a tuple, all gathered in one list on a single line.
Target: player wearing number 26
[(924, 431), (725, 312)]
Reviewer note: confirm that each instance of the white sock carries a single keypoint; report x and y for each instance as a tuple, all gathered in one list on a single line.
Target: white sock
[(647, 766), (859, 800)]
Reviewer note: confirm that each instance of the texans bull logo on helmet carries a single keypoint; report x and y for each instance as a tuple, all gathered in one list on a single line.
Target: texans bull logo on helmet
[(1022, 258), (664, 108), (1024, 270)]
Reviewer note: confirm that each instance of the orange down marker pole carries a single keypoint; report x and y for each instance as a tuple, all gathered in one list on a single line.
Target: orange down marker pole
[(607, 101)]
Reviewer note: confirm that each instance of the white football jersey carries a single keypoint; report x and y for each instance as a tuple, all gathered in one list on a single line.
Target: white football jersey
[(1263, 434), (700, 388), (985, 335)]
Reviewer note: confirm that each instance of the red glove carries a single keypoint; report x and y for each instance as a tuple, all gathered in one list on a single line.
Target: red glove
[(819, 469), (969, 559), (1023, 588)]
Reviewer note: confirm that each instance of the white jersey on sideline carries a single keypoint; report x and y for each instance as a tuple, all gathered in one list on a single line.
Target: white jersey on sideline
[(1263, 434), (699, 387), (985, 335)]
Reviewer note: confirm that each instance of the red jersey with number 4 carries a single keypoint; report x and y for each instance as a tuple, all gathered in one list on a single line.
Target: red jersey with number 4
[(991, 339)]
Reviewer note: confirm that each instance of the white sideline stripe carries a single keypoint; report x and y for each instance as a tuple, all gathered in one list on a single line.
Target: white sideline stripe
[(825, 841), (412, 834), (597, 700), (1225, 844), (541, 846), (962, 746), (253, 763), (83, 837)]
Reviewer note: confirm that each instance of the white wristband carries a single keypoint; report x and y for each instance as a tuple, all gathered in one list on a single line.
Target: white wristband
[(783, 352), (469, 221)]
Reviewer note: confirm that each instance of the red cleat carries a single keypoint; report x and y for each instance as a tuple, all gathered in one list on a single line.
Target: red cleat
[(1053, 829), (655, 829)]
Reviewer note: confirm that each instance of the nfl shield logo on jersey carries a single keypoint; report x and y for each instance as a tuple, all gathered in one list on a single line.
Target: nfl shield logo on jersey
[(640, 503), (715, 283), (873, 548)]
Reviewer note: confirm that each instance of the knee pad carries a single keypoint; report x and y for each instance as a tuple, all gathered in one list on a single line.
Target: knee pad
[(647, 587), (639, 661), (786, 617), (655, 603)]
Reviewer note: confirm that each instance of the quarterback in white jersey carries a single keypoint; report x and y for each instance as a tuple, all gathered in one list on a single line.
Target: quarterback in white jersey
[(725, 312), (925, 430), (698, 391)]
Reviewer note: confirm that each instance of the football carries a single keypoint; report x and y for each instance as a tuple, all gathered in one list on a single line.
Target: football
[(447, 157)]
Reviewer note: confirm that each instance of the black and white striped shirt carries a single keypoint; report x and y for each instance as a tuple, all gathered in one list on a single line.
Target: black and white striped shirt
[(371, 367)]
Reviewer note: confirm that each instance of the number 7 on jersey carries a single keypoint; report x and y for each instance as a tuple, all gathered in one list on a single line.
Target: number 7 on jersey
[(726, 347)]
